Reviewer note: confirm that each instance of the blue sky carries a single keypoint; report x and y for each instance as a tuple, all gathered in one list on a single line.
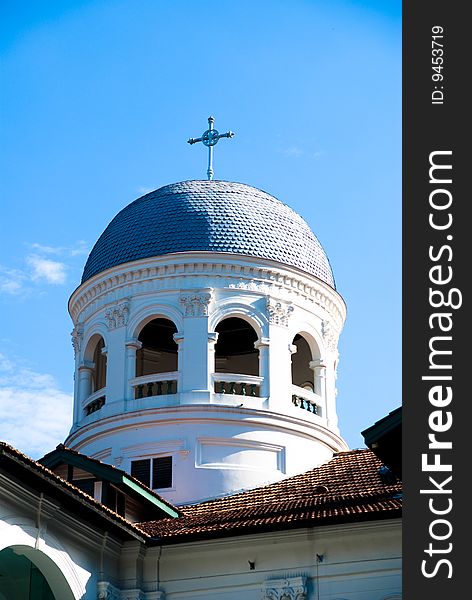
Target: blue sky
[(98, 98)]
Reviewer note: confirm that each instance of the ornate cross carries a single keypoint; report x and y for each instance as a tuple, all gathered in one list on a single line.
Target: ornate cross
[(210, 138)]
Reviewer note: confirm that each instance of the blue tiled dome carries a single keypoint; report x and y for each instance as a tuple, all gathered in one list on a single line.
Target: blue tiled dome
[(209, 216)]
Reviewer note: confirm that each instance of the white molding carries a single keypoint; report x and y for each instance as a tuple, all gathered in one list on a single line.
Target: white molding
[(242, 444), (151, 449), (173, 271)]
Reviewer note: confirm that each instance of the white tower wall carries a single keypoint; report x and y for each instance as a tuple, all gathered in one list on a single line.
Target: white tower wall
[(219, 443)]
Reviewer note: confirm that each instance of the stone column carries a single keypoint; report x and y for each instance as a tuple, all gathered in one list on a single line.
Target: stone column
[(194, 354), (85, 372), (212, 339), (263, 346), (278, 313), (319, 369), (77, 335), (132, 346), (179, 340)]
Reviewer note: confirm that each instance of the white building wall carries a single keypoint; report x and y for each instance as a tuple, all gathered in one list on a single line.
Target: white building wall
[(359, 562), (71, 554)]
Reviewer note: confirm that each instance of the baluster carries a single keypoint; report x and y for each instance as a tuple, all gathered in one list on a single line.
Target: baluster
[(222, 387), (252, 389), (169, 387), (243, 389), (232, 387), (149, 389), (139, 390), (159, 388)]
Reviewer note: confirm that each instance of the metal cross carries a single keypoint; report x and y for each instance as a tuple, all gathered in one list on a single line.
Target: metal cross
[(210, 138)]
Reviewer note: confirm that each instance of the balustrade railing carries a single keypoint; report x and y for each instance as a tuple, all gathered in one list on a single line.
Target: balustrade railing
[(158, 384), (306, 400), (94, 402), (235, 383)]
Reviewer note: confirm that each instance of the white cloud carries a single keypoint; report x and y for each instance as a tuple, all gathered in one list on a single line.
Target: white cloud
[(11, 280), (45, 269), (41, 268), (79, 248), (35, 415), (293, 151)]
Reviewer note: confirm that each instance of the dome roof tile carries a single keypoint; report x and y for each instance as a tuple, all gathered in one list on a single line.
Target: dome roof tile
[(209, 216)]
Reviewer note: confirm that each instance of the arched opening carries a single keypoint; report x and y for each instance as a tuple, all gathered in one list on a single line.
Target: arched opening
[(93, 375), (302, 374), (236, 358), (99, 376), (157, 359), (28, 574), (306, 385)]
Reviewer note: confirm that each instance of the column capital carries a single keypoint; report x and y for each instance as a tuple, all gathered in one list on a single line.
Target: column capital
[(317, 363), (133, 343), (178, 337), (212, 337), (117, 316), (278, 311), (195, 303), (263, 342), (87, 365)]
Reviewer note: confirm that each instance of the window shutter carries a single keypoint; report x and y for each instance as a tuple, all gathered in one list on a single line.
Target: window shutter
[(162, 472), (141, 469), (86, 485)]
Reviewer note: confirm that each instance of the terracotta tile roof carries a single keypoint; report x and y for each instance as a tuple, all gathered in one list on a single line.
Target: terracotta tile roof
[(8, 452), (349, 488)]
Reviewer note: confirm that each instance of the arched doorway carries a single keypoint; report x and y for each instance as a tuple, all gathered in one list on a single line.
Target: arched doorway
[(29, 574)]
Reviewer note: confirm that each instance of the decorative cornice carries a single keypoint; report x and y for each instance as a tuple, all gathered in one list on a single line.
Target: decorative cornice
[(148, 277), (117, 316), (278, 312), (292, 588), (253, 286), (195, 304)]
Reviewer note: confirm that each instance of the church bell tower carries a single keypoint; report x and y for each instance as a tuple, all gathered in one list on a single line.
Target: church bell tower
[(205, 336)]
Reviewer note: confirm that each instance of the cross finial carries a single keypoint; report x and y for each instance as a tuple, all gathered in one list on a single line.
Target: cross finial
[(210, 138)]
